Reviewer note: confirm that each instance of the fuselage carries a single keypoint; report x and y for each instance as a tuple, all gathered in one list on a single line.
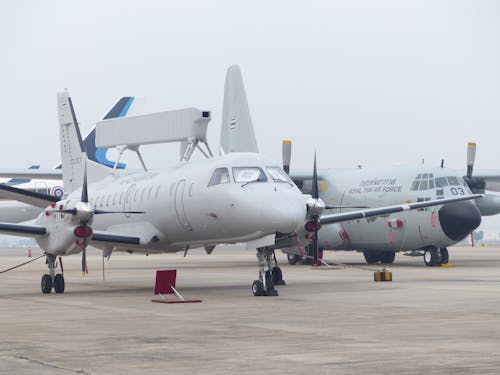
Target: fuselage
[(233, 198), (438, 226)]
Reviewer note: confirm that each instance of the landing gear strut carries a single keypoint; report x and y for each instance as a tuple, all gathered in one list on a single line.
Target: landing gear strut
[(264, 286), (51, 279)]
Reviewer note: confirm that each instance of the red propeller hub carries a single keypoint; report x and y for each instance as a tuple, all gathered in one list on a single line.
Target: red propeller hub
[(83, 231), (311, 225)]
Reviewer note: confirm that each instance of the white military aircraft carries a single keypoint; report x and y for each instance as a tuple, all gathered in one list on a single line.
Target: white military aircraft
[(237, 197), (427, 230), (15, 212)]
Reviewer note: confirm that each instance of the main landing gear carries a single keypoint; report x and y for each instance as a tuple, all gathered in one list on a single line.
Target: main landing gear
[(373, 256), (436, 257), (51, 280), (269, 275)]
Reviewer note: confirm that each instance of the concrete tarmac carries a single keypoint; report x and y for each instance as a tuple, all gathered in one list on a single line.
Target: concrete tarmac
[(431, 320)]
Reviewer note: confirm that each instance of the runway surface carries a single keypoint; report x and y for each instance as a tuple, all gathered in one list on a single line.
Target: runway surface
[(431, 320)]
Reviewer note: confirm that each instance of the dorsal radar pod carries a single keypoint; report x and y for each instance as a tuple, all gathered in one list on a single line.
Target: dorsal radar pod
[(187, 126)]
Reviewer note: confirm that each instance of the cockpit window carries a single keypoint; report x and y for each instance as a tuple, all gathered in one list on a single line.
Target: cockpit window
[(220, 176), (453, 181), (277, 174), (423, 181), (249, 174), (441, 182)]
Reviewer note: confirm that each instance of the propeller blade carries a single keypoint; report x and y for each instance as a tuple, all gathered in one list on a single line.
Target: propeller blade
[(315, 192), (342, 207), (315, 244), (99, 212), (286, 150), (85, 194), (84, 258), (471, 156)]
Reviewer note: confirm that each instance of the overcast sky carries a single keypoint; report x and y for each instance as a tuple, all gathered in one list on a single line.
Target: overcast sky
[(362, 82)]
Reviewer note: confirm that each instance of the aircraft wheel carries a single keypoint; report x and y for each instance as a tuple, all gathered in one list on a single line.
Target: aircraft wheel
[(258, 288), (46, 284), (305, 260), (445, 257), (293, 258), (277, 276), (371, 256), (59, 283), (432, 257), (387, 257)]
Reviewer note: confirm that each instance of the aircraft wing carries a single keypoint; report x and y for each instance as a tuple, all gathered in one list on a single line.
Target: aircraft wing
[(45, 174), (489, 176), (381, 211), (30, 197), (103, 238)]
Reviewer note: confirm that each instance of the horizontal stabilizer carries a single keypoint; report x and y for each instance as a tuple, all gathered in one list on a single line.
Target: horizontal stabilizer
[(45, 174), (161, 127), (30, 197), (382, 211)]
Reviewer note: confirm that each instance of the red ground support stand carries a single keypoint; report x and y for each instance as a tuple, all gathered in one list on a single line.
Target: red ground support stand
[(165, 284)]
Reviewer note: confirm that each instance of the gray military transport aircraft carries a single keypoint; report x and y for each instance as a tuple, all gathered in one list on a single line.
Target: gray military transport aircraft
[(232, 198), (426, 231)]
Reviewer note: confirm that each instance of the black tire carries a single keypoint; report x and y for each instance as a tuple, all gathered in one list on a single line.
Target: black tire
[(277, 276), (445, 257), (387, 257), (258, 288), (293, 258), (371, 256), (306, 260), (432, 257), (46, 284), (59, 283)]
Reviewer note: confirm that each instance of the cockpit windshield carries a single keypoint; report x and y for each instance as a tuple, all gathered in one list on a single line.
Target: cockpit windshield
[(277, 174), (220, 176), (249, 174)]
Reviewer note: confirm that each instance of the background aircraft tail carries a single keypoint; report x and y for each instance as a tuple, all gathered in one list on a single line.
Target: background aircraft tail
[(98, 155), (237, 134), (73, 154)]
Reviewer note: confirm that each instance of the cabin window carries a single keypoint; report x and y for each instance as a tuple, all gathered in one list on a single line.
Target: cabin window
[(136, 193), (108, 200), (149, 192), (114, 198), (142, 193), (220, 176), (249, 174), (121, 198), (157, 194)]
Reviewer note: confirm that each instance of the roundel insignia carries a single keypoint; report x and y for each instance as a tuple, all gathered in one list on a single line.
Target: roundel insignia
[(57, 191)]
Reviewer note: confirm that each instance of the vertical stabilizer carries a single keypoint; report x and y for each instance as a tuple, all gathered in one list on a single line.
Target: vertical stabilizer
[(73, 155), (237, 134)]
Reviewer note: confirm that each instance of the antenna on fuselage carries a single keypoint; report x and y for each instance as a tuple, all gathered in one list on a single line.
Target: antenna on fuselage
[(442, 163)]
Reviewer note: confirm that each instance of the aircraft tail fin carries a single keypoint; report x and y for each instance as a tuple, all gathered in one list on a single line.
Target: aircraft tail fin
[(73, 155), (237, 133), (120, 109)]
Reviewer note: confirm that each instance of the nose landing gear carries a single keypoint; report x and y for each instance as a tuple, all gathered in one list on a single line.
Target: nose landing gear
[(436, 257), (51, 280), (269, 276)]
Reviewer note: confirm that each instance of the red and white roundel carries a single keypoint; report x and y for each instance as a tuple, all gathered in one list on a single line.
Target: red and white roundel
[(57, 191)]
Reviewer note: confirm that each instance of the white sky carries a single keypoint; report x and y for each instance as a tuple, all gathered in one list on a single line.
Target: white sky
[(370, 82)]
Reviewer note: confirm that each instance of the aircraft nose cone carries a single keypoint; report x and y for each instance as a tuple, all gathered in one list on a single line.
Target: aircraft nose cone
[(459, 219), (287, 215)]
